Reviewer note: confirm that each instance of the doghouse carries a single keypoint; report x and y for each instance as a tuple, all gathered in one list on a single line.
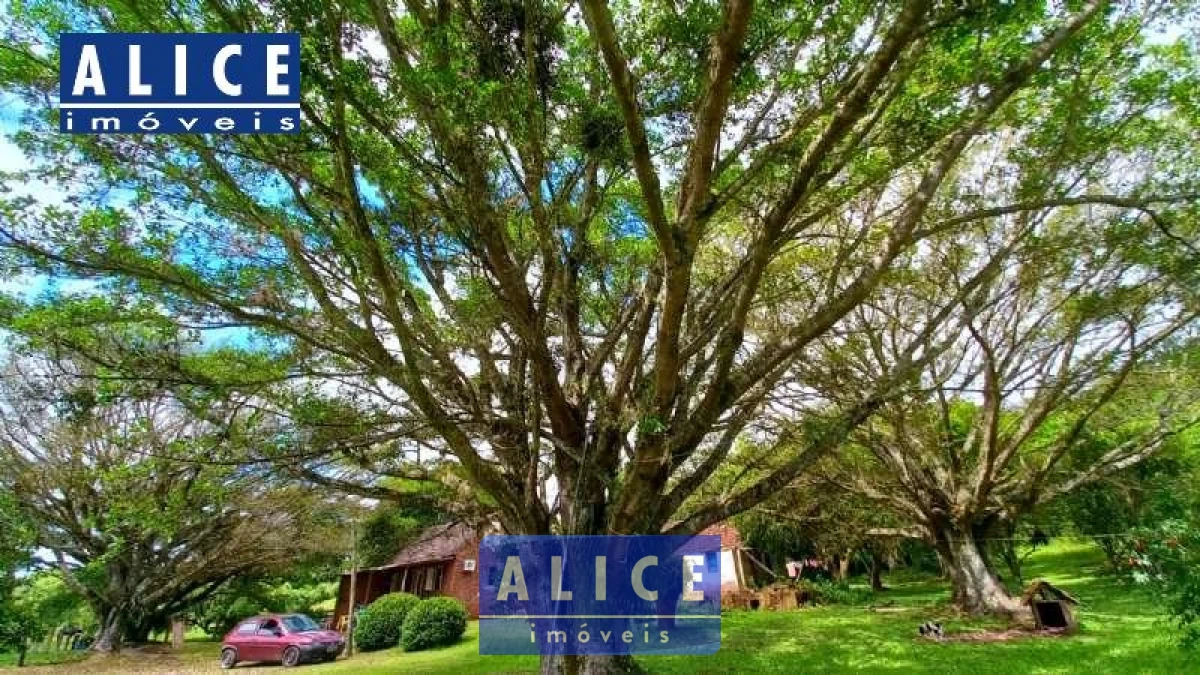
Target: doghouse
[(1051, 606)]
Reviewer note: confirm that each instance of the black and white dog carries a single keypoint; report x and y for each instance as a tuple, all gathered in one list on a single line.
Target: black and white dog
[(930, 629)]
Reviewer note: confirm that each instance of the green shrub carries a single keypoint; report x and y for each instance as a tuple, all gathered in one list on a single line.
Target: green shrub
[(436, 621), (380, 623), (1167, 559), (821, 592)]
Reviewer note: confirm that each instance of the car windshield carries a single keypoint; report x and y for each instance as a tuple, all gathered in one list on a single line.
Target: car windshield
[(299, 622)]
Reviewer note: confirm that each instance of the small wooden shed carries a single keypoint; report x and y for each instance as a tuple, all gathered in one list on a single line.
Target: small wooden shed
[(1051, 606)]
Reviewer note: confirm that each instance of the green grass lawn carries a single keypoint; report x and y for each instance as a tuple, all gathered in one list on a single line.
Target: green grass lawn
[(41, 657), (1121, 632)]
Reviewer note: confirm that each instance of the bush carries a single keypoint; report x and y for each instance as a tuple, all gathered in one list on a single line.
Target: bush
[(436, 621), (821, 592), (1167, 559), (379, 625)]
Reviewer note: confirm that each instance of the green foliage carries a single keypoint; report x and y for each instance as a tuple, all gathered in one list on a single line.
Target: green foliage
[(223, 618), (18, 626), (834, 592), (1167, 558), (433, 623), (385, 533), (379, 625), (1148, 493), (217, 614), (54, 603), (19, 622), (16, 537), (1158, 489), (775, 540), (418, 504)]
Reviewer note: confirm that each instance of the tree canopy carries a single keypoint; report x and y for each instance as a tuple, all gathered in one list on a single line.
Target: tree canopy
[(580, 249), (130, 521)]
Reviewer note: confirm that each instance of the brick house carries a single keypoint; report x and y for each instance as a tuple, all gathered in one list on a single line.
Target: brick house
[(440, 561)]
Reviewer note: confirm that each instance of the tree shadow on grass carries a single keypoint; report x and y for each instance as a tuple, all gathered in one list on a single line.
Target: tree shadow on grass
[(1122, 631)]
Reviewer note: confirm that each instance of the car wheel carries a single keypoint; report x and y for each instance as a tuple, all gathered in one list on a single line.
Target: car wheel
[(228, 657), (291, 656)]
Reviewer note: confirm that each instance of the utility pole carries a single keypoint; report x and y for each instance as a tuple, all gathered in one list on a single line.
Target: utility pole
[(353, 579)]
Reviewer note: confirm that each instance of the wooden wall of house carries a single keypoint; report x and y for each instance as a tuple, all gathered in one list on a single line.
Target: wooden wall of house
[(370, 585)]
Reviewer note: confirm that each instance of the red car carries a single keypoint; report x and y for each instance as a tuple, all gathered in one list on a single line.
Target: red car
[(288, 638)]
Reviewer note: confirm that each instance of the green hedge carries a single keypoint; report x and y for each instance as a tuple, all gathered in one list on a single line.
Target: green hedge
[(380, 623), (434, 622)]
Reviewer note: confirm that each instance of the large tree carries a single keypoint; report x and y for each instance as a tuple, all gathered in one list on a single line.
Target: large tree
[(1064, 375), (578, 248), (133, 526)]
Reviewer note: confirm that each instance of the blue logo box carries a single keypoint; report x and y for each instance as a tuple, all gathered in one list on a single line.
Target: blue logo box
[(600, 595), (174, 83)]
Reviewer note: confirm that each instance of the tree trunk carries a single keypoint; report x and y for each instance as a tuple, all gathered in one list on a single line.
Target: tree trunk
[(877, 573), (584, 511), (108, 639), (21, 651), (588, 665), (976, 589), (843, 566)]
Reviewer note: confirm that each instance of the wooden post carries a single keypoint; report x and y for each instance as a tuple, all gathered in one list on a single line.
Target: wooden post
[(353, 599), (178, 628)]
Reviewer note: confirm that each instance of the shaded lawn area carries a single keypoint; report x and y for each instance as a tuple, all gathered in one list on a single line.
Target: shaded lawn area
[(1121, 632)]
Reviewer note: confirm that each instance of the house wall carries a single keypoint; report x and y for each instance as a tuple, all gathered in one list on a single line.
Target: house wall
[(457, 583), (730, 538), (730, 580), (461, 584), (732, 568), (369, 585)]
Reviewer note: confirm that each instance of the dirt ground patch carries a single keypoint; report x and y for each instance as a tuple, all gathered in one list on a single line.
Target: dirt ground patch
[(1005, 635), (158, 659)]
